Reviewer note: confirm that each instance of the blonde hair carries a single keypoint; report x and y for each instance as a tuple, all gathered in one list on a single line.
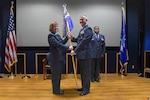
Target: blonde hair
[(52, 25)]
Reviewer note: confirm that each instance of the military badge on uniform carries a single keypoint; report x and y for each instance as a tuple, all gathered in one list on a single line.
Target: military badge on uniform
[(82, 32), (102, 38)]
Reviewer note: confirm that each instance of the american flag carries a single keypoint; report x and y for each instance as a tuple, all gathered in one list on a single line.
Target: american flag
[(10, 48)]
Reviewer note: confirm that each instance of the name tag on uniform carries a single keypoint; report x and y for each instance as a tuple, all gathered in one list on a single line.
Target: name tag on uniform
[(102, 38)]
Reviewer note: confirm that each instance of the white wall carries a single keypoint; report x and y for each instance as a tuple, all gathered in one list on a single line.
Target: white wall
[(34, 16)]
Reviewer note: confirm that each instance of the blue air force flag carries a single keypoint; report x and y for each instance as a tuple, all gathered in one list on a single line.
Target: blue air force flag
[(67, 20), (123, 42)]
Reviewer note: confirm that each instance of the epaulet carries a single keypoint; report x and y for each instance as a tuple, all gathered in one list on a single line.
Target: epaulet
[(87, 27), (50, 34)]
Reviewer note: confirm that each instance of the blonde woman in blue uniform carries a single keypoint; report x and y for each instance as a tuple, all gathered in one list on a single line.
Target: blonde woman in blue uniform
[(57, 50)]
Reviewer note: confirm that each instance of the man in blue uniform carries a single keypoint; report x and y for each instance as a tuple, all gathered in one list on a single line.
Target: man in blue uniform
[(84, 54), (98, 46)]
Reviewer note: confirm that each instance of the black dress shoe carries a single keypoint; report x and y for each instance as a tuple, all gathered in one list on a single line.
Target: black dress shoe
[(97, 80), (84, 93), (92, 80), (124, 74), (141, 75), (80, 89), (60, 93)]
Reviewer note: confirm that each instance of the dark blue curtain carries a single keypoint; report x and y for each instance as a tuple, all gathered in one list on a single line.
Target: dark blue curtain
[(5, 6), (147, 26), (0, 49)]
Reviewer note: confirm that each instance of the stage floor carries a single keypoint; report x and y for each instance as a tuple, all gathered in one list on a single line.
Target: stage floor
[(110, 87)]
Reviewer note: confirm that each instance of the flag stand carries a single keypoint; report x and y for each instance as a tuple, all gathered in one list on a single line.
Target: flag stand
[(11, 76), (25, 72), (25, 77), (125, 72)]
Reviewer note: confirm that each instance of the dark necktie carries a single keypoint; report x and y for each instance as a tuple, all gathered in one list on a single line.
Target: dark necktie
[(97, 37)]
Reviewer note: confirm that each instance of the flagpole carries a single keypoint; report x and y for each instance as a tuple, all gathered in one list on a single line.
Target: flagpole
[(25, 70), (11, 76), (74, 67), (66, 14)]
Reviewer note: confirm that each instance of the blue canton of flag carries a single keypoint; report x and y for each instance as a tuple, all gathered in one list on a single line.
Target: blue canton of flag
[(67, 20), (123, 43)]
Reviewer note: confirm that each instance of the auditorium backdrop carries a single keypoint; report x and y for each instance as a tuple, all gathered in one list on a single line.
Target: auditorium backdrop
[(138, 40)]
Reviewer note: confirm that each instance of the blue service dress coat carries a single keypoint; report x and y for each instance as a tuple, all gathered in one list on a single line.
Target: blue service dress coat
[(98, 45), (57, 47), (83, 49), (57, 50)]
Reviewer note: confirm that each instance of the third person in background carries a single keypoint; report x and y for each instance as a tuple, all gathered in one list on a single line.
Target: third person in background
[(98, 45)]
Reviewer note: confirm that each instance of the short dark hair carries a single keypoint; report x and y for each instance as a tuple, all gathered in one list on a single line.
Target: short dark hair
[(96, 27)]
